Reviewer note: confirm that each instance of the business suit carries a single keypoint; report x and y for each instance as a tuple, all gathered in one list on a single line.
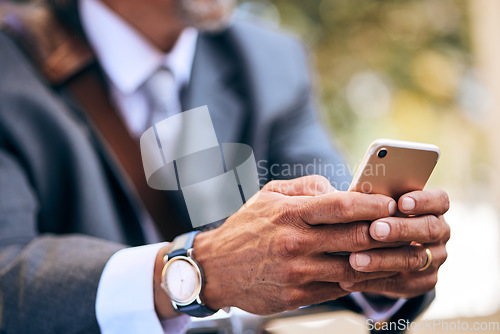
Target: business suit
[(66, 205)]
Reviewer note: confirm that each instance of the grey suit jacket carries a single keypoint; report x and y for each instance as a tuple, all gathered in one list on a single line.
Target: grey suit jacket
[(65, 206)]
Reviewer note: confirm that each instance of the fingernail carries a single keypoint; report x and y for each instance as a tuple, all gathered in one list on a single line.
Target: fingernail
[(346, 285), (362, 260), (392, 207), (382, 229), (408, 204)]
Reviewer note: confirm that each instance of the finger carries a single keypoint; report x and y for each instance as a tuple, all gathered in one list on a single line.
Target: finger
[(327, 268), (344, 207), (423, 229), (310, 185), (404, 285), (424, 202), (408, 258), (352, 237)]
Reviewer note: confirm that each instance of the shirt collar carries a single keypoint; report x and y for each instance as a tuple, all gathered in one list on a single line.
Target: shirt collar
[(126, 56)]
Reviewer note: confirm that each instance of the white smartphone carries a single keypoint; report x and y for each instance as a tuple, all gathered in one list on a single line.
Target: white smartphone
[(394, 167)]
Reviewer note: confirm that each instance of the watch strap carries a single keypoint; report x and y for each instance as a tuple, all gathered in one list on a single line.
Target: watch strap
[(180, 247), (183, 242), (196, 310)]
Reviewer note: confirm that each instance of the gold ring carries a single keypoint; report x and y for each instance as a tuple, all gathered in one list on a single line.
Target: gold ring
[(429, 260)]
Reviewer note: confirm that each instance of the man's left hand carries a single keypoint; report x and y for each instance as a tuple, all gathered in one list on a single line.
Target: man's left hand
[(423, 224)]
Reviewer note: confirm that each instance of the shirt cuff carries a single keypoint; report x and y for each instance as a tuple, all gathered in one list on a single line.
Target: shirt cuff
[(377, 311), (125, 302)]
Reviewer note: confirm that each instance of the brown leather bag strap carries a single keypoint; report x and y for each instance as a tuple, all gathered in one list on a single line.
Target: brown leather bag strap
[(90, 91)]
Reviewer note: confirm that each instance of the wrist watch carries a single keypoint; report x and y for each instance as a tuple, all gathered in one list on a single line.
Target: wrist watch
[(182, 277)]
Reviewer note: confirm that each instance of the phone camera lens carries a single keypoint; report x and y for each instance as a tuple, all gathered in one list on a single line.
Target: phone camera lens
[(382, 153)]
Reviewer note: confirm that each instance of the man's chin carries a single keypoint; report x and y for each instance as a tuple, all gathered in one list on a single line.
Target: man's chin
[(207, 15), (211, 25)]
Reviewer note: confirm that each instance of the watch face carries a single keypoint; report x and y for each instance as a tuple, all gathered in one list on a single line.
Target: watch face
[(182, 280)]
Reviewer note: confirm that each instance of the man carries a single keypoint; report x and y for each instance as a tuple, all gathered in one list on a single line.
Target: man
[(69, 203)]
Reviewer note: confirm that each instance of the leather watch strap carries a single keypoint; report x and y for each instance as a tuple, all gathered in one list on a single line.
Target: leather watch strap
[(182, 243), (197, 310), (180, 247)]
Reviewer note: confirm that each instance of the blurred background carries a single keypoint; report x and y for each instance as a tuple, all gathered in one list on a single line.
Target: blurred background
[(418, 70)]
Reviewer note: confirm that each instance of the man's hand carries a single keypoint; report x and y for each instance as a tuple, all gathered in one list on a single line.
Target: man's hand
[(424, 223), (270, 256)]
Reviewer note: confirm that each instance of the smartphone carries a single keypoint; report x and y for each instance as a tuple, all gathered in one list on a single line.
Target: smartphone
[(394, 167)]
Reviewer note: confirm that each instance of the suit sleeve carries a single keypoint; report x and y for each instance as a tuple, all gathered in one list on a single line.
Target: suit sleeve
[(48, 283)]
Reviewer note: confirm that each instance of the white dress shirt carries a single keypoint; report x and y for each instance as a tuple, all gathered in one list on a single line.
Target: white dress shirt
[(125, 302)]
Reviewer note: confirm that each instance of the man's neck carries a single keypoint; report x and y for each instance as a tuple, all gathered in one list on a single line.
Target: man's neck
[(158, 24)]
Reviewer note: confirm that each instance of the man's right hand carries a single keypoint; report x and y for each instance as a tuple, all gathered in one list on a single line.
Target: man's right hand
[(270, 256)]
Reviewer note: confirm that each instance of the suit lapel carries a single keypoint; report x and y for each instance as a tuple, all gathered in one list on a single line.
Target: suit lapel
[(125, 195), (215, 82)]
